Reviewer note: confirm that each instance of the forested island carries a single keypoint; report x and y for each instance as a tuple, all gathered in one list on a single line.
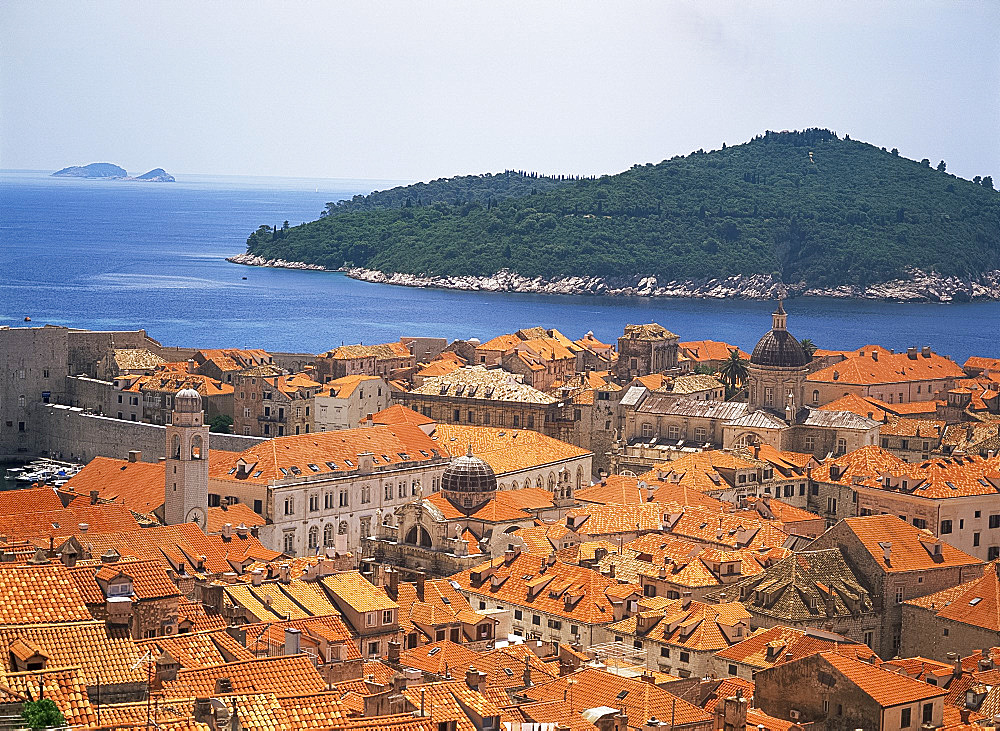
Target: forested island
[(806, 212)]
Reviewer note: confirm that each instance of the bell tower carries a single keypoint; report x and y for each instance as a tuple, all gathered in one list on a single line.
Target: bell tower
[(186, 466)]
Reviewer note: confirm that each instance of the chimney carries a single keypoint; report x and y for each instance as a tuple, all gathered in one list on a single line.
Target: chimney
[(134, 455), (887, 552), (256, 577), (926, 351), (964, 714), (473, 678), (392, 583), (285, 573), (394, 648), (526, 676), (242, 530), (293, 641), (84, 527), (227, 531), (192, 368), (875, 355), (93, 496), (911, 353), (685, 599), (421, 580), (956, 661)]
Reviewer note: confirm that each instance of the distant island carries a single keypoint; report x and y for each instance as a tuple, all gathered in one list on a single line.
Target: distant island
[(800, 213), (108, 171)]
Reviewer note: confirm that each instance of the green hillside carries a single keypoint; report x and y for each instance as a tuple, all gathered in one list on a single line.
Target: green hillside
[(808, 206)]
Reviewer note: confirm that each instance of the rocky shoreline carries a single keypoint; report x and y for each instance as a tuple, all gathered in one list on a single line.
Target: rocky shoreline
[(918, 286)]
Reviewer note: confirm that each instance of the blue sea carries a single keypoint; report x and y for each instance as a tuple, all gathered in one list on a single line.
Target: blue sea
[(119, 255)]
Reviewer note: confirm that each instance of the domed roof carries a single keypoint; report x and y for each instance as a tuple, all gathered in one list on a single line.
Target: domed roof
[(779, 348), (186, 400), (468, 474)]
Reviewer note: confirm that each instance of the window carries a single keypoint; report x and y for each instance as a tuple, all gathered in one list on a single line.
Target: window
[(810, 444), (366, 494), (471, 416), (995, 521), (372, 649), (700, 434), (664, 652), (343, 498), (458, 416), (975, 538), (992, 553), (313, 538), (313, 503), (945, 527), (904, 718), (554, 624), (899, 595), (328, 534), (814, 489), (979, 513), (869, 638), (518, 614), (536, 620), (673, 432), (732, 669), (647, 430), (388, 491), (401, 489), (815, 397), (290, 542), (768, 396), (637, 644), (289, 506), (831, 505), (928, 712), (841, 445), (387, 616), (517, 420), (685, 657)]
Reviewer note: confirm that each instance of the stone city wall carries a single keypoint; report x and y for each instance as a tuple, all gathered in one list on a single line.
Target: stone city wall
[(69, 433)]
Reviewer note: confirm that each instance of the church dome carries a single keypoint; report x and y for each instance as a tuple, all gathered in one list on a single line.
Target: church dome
[(779, 348), (187, 401), (468, 474)]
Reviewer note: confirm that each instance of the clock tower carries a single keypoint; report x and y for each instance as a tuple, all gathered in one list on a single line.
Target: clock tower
[(186, 466)]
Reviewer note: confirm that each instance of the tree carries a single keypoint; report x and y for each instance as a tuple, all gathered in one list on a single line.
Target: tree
[(734, 371), (942, 167), (42, 713), (895, 151), (808, 345), (221, 424), (925, 162), (703, 370), (988, 182)]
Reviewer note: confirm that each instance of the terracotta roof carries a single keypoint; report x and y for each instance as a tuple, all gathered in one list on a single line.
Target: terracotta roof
[(771, 646), (64, 686), (975, 602), (899, 368), (501, 342), (507, 450), (702, 350), (857, 405), (884, 687), (171, 382), (695, 383), (198, 649), (561, 589), (625, 490), (291, 456), (235, 515), (356, 592), (382, 351), (918, 428), (286, 675), (149, 580), (639, 699), (318, 711), (732, 530), (136, 485), (88, 645), (912, 549), (399, 414), (699, 626), (47, 593), (448, 701)]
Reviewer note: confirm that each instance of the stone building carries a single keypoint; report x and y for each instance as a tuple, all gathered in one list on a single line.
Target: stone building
[(777, 370), (897, 562), (342, 403), (841, 693), (645, 349), (327, 489), (155, 394), (267, 404), (962, 619), (186, 466), (815, 588), (364, 360), (485, 397)]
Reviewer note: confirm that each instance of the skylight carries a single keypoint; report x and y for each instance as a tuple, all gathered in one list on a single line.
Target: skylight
[(331, 465), (313, 467), (434, 652), (974, 602), (258, 473)]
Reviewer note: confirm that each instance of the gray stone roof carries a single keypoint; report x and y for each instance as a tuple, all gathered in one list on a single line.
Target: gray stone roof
[(488, 384), (672, 405)]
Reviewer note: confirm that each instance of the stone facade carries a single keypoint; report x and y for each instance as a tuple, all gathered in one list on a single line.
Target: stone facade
[(645, 349)]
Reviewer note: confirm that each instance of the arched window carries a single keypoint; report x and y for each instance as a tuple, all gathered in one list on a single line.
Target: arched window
[(328, 534), (579, 477), (196, 447), (747, 439), (538, 482), (513, 484), (313, 538), (342, 528), (418, 536), (815, 397), (175, 449), (552, 482)]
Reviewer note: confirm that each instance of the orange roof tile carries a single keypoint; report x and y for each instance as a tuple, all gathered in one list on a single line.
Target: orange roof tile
[(885, 688), (506, 450), (47, 593), (913, 549), (771, 646), (198, 649), (975, 602), (287, 675), (702, 350), (137, 485), (399, 414), (281, 457), (235, 515), (356, 592), (899, 368)]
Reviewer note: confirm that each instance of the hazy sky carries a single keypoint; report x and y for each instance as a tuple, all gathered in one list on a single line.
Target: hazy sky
[(418, 90)]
